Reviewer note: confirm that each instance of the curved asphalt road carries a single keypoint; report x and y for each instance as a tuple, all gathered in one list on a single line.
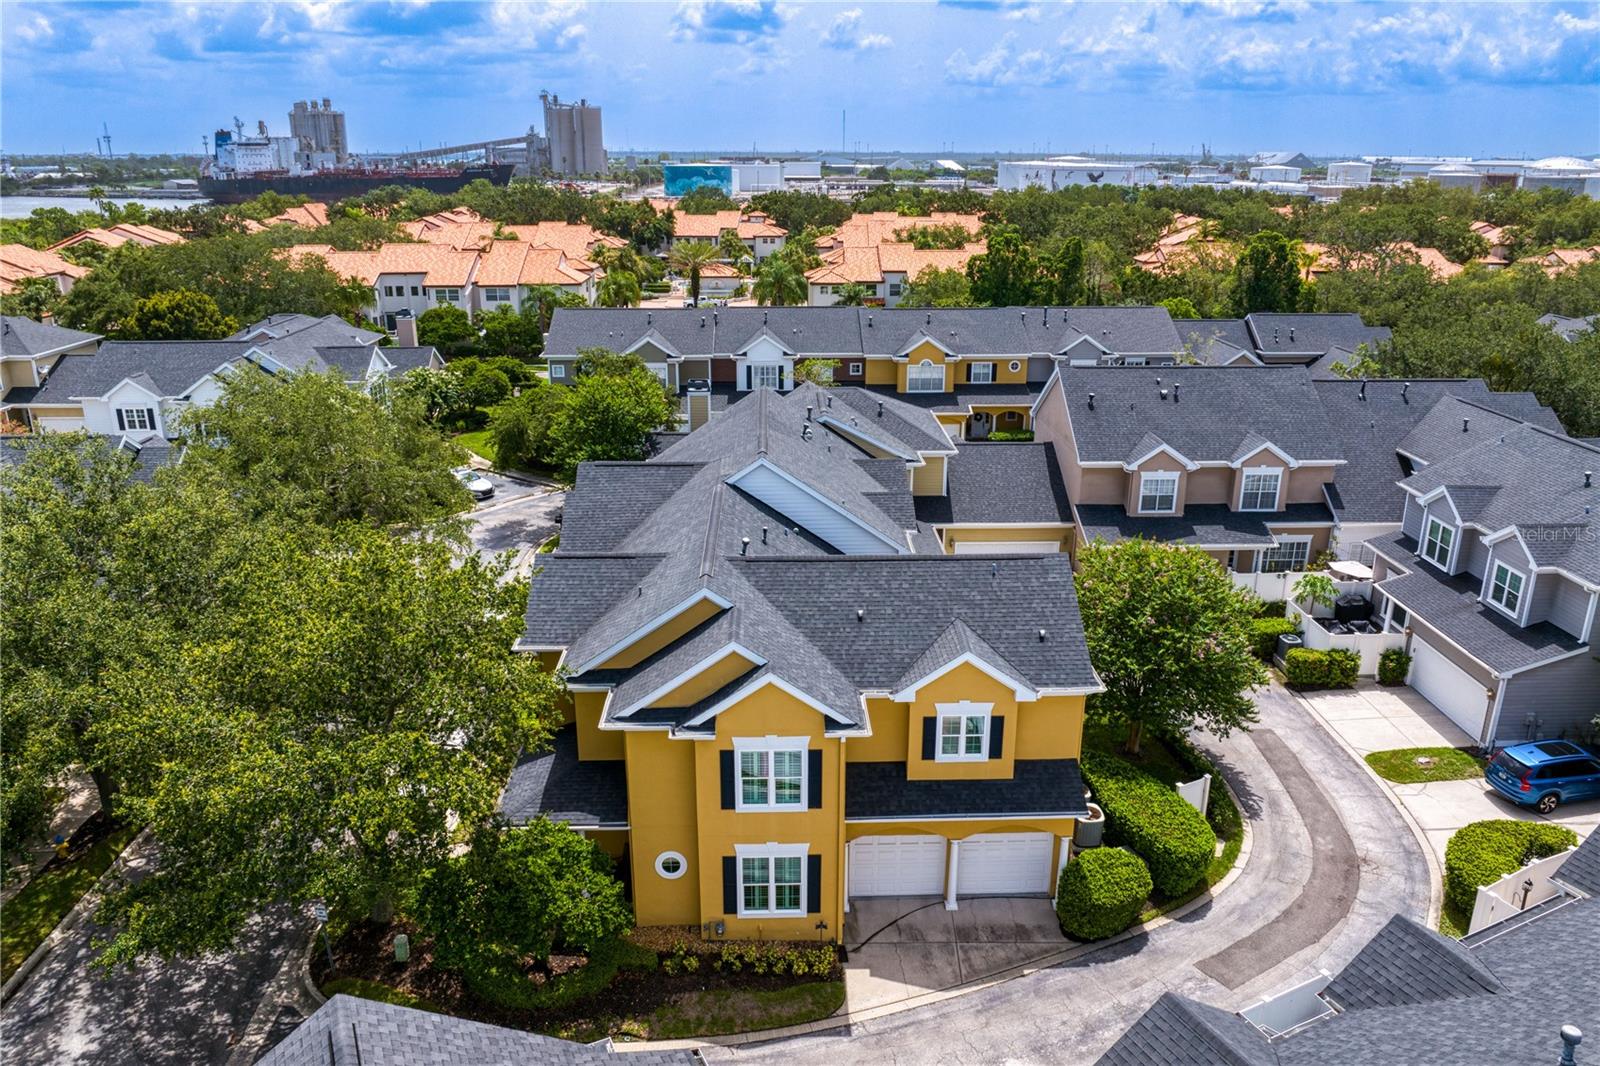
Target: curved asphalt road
[(1331, 860)]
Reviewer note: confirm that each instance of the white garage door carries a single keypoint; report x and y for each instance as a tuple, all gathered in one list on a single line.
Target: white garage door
[(1448, 687), (63, 424), (1004, 864), (1007, 547), (897, 866)]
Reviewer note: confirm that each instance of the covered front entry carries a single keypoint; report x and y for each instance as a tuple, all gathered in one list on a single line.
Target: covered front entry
[(1005, 864), (1457, 693), (911, 865)]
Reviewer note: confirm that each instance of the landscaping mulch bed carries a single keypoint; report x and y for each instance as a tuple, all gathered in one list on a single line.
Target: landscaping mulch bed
[(366, 953)]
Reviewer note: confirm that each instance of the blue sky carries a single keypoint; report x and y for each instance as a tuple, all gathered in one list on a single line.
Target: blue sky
[(969, 75)]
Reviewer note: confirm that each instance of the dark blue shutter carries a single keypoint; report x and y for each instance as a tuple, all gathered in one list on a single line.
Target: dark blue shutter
[(121, 425), (727, 780), (150, 416), (814, 776), (997, 737), (813, 884), (930, 737), (730, 885)]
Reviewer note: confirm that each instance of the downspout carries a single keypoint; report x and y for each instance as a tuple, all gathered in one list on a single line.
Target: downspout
[(844, 873), (1493, 726)]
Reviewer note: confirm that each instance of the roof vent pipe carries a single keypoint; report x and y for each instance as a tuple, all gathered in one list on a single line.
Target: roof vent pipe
[(1175, 385), (928, 319), (994, 569), (1041, 636), (1571, 1037), (647, 317), (1163, 394), (763, 318), (1588, 479), (869, 321), (880, 408), (1091, 401), (1465, 422), (1362, 392), (1274, 334), (1291, 333), (744, 545), (808, 412), (1403, 387), (702, 321), (861, 615), (713, 318), (763, 534)]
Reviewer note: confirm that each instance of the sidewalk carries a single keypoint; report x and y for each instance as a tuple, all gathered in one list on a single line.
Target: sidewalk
[(81, 801), (1371, 717)]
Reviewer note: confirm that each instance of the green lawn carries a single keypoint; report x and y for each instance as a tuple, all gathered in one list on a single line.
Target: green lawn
[(550, 545), (376, 990), (44, 901), (1444, 764), (725, 1010), (478, 442), (1453, 923)]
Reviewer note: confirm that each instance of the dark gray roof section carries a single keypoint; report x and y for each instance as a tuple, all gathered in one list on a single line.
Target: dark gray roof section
[(1451, 605), (1205, 413), (1582, 868), (348, 1030), (1457, 423), (171, 367), (616, 499), (1305, 337), (1038, 787), (800, 331), (1373, 418), (1201, 525), (403, 359), (993, 483), (1176, 1031), (1569, 329), (1408, 963), (966, 397), (1125, 330), (964, 331), (24, 336), (589, 794), (885, 418)]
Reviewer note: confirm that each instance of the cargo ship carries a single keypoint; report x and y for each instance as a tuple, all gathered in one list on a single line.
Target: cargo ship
[(341, 183)]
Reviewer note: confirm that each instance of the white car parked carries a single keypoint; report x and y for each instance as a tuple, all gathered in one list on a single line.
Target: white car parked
[(474, 482)]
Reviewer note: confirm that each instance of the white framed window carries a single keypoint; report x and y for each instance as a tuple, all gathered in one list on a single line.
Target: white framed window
[(1438, 543), (497, 294), (1505, 588), (671, 865), (1158, 492), (1289, 554), (772, 879), (982, 374), (446, 296), (1015, 365), (855, 370), (1258, 489), (894, 288), (925, 377), (136, 419), (558, 370), (772, 773), (963, 732), (766, 376)]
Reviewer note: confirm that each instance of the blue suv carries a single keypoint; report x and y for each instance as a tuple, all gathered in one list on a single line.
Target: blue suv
[(1544, 774)]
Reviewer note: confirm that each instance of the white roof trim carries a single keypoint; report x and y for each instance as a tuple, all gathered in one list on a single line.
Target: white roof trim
[(653, 336), (1023, 692), (855, 431), (757, 685), (1267, 446), (916, 341), (815, 495), (687, 675), (1187, 463), (654, 624)]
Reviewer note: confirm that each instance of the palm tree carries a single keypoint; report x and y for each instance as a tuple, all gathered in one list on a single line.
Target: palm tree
[(619, 289), (688, 257), (852, 295), (780, 283)]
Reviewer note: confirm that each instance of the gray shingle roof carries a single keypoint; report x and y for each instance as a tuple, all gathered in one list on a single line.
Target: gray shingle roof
[(1307, 336), (1126, 330), (1408, 963), (1207, 418), (1202, 525), (382, 1034), (591, 793), (1439, 433), (1041, 787), (1569, 328), (1176, 1031), (294, 344), (171, 367), (1000, 483), (24, 336), (1582, 868), (1451, 605)]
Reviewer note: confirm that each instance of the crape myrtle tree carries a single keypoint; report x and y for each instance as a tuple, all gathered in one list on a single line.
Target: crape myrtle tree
[(1168, 633)]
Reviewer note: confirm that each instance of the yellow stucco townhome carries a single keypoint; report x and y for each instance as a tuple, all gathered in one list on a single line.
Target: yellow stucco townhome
[(792, 687)]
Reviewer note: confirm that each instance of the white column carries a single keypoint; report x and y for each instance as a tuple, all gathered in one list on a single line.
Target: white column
[(1061, 864), (950, 876)]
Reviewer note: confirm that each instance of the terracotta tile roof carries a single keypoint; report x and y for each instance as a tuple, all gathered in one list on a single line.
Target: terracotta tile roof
[(719, 270), (705, 227), (867, 266), (120, 234), (437, 264), (882, 227), (1490, 232), (308, 215), (521, 263), (575, 239), (18, 261)]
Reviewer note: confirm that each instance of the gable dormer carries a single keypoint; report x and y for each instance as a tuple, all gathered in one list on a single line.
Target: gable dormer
[(1439, 532)]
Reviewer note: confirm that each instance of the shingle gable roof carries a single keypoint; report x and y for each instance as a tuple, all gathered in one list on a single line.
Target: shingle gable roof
[(170, 367), (24, 336), (1286, 335), (1009, 483), (1409, 963)]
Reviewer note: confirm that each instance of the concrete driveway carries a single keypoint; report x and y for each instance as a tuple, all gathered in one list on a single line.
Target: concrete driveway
[(517, 518), (1372, 717), (902, 947)]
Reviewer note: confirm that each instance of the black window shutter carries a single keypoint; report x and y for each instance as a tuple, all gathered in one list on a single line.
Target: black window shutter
[(727, 780), (930, 736), (813, 884), (120, 424), (814, 773), (997, 737), (730, 885), (150, 417)]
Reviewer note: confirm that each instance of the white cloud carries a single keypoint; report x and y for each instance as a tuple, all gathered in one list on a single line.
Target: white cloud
[(846, 34), (35, 29), (755, 23)]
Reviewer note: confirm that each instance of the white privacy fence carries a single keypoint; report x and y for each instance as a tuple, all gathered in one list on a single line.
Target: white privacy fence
[(1369, 646), (1516, 892)]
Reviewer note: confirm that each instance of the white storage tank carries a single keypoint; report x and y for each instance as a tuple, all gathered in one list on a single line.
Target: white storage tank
[(1275, 173), (1350, 173)]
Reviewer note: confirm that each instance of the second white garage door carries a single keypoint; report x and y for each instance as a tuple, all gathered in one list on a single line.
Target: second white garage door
[(1007, 547), (1004, 864), (897, 866), (1448, 687)]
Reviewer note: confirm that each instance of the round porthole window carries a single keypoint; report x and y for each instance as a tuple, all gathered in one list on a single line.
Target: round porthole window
[(671, 865), (1015, 366)]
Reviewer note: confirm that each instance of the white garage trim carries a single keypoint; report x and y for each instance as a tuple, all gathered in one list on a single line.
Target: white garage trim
[(1007, 547), (911, 865), (60, 423), (1005, 864), (1442, 683)]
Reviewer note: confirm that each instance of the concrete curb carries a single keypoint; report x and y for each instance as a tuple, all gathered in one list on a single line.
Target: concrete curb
[(80, 910), (306, 980), (1435, 873), (1044, 962), (278, 994)]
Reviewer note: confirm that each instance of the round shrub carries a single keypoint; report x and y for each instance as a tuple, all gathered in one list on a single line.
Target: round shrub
[(1150, 818), (1264, 634), (1483, 852), (1101, 893), (1393, 665)]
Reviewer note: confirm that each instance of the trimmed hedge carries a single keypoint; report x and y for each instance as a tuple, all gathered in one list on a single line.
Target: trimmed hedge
[(1159, 825), (1010, 435), (1393, 665), (1483, 852), (1101, 893), (1334, 668), (1264, 634)]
